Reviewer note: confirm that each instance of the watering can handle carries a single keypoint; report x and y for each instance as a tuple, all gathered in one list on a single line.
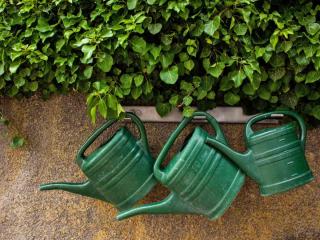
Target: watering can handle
[(164, 152), (143, 137), (249, 131)]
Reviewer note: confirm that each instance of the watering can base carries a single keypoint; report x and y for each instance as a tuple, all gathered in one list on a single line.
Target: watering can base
[(226, 202), (268, 190)]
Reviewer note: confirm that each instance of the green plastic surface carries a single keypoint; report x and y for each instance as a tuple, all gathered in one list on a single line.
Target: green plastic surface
[(275, 158), (120, 171), (201, 180)]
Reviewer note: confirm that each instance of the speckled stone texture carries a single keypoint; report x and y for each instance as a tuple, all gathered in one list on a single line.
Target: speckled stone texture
[(55, 130)]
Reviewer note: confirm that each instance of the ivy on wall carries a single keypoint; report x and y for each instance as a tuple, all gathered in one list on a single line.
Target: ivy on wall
[(168, 53)]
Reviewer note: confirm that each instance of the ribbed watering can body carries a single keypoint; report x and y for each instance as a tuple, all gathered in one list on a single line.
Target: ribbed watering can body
[(203, 177), (119, 171), (275, 158), (201, 180), (279, 156)]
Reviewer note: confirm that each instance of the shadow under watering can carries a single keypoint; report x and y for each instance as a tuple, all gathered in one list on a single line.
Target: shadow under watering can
[(119, 172), (275, 158), (201, 180)]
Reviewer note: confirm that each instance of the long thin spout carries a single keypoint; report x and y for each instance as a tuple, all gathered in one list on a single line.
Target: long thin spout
[(172, 204), (84, 189)]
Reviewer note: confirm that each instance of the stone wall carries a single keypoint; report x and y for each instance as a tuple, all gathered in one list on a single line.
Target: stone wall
[(55, 130)]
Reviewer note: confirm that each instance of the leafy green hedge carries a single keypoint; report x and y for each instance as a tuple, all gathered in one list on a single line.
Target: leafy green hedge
[(168, 53)]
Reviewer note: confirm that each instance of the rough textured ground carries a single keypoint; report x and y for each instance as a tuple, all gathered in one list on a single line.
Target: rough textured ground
[(56, 129)]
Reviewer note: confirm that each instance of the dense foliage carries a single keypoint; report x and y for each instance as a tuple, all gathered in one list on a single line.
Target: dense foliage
[(258, 54)]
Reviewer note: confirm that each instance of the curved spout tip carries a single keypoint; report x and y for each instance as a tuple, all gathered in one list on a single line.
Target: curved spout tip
[(59, 186), (85, 189), (48, 186)]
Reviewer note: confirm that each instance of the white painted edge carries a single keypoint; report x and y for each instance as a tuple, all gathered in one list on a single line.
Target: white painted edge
[(222, 114)]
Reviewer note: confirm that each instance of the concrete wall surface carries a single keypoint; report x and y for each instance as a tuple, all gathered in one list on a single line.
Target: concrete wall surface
[(55, 130)]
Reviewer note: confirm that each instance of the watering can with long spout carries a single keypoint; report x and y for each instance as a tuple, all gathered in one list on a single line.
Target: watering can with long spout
[(201, 180), (120, 171), (275, 158)]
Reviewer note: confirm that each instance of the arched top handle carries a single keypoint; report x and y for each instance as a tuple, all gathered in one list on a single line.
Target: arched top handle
[(143, 137), (164, 152), (249, 131)]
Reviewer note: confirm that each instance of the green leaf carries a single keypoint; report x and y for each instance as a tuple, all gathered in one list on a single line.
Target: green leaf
[(59, 44), (211, 95), (33, 86), (132, 4), (138, 80), (43, 25), (188, 111), (316, 112), (17, 142), (166, 59), (151, 2), (189, 65), (187, 100), (138, 44), (289, 99), (214, 70), (155, 51), (93, 114), (259, 51), (313, 76), (126, 81), (106, 63), (240, 29), (163, 108), (2, 83), (102, 108), (231, 98), (274, 40), (248, 89), (211, 26), (88, 51), (238, 77), (154, 28), (87, 73), (112, 102), (14, 66), (136, 93), (313, 28), (264, 93), (174, 100), (187, 87), (170, 75), (277, 73), (201, 94), (301, 90), (19, 82)]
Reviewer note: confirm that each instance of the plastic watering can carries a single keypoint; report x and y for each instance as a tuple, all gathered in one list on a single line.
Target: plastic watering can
[(201, 180), (120, 171), (275, 157)]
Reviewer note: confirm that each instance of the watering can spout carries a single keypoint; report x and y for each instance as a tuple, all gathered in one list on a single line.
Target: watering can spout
[(241, 159), (84, 189), (172, 204)]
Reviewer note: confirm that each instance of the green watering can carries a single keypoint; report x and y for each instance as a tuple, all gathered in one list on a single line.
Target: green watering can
[(201, 180), (275, 157), (120, 171)]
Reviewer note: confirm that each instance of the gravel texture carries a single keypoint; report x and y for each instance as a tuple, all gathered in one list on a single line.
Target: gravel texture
[(55, 130)]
